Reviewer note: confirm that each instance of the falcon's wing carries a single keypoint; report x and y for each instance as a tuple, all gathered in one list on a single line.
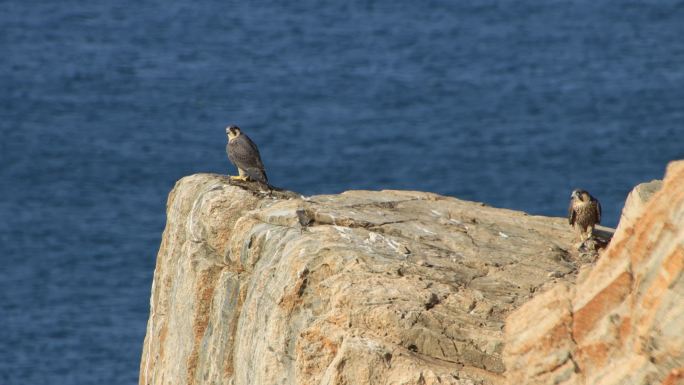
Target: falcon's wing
[(598, 211), (244, 154), (571, 214), (255, 150)]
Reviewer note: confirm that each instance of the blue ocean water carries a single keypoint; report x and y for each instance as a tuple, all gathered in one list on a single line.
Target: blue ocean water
[(104, 105)]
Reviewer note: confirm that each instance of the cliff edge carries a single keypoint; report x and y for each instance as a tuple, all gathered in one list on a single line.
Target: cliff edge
[(386, 287)]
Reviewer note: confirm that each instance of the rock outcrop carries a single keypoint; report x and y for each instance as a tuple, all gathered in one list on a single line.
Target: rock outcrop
[(636, 200), (623, 322), (389, 287)]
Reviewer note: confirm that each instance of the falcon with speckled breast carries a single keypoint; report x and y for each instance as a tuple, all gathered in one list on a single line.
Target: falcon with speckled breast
[(584, 213), (244, 155)]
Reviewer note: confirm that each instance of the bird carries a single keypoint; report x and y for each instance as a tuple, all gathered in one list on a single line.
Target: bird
[(244, 155), (584, 212)]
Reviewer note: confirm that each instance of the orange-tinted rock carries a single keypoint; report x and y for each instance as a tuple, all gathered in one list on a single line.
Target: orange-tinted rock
[(539, 340), (627, 312)]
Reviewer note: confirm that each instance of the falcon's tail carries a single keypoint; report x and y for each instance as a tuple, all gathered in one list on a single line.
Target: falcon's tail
[(257, 175)]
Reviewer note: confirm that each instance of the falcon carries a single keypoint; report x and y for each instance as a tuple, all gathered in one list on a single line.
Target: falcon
[(584, 213), (244, 155)]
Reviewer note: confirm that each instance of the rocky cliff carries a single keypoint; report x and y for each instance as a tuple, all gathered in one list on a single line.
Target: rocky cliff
[(399, 287), (623, 322), (388, 287)]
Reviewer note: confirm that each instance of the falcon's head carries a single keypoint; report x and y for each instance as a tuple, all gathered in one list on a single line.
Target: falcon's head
[(233, 132), (580, 195)]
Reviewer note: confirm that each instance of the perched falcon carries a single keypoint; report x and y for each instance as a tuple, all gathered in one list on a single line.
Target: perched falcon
[(584, 213), (244, 154)]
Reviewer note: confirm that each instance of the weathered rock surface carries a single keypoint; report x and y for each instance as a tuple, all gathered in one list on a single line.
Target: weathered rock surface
[(636, 200), (623, 323), (389, 287)]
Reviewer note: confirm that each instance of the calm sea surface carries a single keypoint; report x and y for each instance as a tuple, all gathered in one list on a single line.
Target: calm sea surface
[(104, 105)]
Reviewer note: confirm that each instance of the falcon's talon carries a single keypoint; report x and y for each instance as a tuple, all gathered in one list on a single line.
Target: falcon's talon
[(238, 177)]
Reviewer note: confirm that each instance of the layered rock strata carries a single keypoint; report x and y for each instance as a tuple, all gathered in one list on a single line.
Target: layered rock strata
[(388, 287)]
